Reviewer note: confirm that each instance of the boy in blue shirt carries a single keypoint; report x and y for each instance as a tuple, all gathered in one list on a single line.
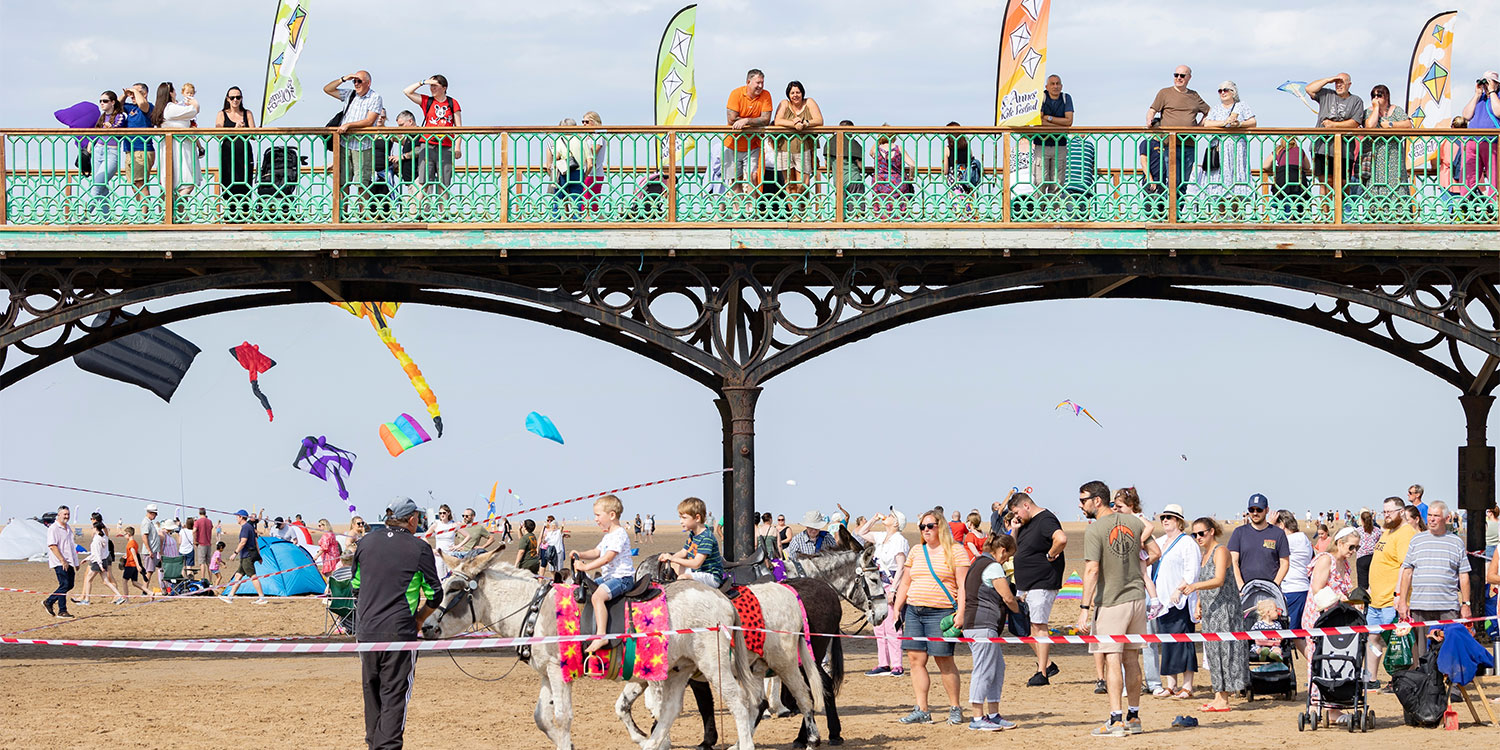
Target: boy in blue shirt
[(699, 558)]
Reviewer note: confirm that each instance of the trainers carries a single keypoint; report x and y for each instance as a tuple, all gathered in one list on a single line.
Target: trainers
[(63, 615), (1001, 724), (897, 672), (878, 672), (227, 598), (1100, 688), (83, 602), (1133, 726), (1037, 680), (1052, 669), (261, 600), (118, 600), (981, 724), (47, 605), (956, 715), (1111, 729), (917, 716)]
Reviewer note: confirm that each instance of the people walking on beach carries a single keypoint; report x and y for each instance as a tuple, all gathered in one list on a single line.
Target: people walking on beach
[(99, 562), (62, 556), (1040, 563), (247, 552)]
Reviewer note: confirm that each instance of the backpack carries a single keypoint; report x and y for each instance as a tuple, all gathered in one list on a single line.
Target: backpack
[(1423, 692)]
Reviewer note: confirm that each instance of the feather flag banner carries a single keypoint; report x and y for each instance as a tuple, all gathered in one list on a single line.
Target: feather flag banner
[(288, 37), (1429, 97), (675, 77), (1022, 69)]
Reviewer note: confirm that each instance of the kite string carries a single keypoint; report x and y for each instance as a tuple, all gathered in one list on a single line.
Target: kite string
[(102, 492)]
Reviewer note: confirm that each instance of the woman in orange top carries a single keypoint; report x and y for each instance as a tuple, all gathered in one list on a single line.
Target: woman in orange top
[(932, 589)]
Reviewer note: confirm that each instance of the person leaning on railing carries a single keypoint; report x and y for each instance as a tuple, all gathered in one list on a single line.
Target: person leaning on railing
[(796, 155), (1225, 176), (1339, 109), (104, 153), (1387, 154), (362, 108), (1049, 153), (236, 155), (1175, 106), (749, 106)]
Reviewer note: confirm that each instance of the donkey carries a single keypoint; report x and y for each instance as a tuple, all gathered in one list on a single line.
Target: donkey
[(485, 591)]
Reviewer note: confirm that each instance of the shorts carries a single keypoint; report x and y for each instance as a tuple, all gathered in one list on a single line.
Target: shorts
[(129, 573), (1121, 619), (247, 566), (1380, 616), (742, 166), (141, 163), (926, 622), (1039, 602), (987, 678), (148, 564), (616, 586), (705, 578), (203, 552), (96, 567)]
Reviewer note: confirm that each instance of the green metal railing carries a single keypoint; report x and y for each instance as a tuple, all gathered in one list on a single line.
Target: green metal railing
[(655, 176)]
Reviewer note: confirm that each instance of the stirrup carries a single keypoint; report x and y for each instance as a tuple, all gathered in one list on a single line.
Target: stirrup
[(594, 666)]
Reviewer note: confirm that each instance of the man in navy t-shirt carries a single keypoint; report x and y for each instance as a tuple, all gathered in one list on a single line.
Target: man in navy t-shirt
[(140, 153), (1259, 551), (1049, 165)]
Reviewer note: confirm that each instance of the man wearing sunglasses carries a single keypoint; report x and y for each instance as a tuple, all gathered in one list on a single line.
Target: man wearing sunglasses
[(1175, 106), (1385, 575), (1258, 550)]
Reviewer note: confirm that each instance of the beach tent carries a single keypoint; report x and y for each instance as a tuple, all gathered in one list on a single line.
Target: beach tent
[(277, 555), (1072, 588), (23, 539)]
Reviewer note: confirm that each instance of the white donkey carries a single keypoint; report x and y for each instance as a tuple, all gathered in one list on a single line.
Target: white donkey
[(483, 591)]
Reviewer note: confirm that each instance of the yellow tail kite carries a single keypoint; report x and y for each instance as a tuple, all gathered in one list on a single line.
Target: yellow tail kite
[(377, 313)]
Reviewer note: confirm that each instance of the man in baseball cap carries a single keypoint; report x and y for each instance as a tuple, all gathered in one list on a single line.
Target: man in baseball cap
[(1259, 551), (389, 565), (247, 552)]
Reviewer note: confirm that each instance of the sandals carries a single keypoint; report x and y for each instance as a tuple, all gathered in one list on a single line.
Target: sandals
[(1183, 693), (1212, 709), (1162, 692)]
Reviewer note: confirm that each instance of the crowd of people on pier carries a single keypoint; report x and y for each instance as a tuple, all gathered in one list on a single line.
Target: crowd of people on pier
[(774, 149)]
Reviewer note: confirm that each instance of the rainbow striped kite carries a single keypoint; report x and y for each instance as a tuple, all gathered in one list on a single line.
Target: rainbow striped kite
[(1072, 588), (402, 435)]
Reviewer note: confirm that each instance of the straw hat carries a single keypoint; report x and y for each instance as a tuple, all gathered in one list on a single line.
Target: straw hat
[(814, 519), (1172, 509)]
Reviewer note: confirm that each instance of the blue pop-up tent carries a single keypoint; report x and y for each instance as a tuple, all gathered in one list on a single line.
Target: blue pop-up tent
[(277, 555)]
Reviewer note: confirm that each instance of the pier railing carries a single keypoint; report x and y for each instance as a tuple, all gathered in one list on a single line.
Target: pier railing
[(655, 177)]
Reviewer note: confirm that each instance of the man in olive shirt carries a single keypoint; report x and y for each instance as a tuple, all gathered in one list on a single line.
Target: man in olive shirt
[(1114, 601), (1175, 106), (472, 539)]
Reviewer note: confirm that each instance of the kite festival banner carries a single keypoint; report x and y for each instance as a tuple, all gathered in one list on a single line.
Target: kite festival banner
[(1022, 72), (288, 35), (1429, 93), (674, 78)]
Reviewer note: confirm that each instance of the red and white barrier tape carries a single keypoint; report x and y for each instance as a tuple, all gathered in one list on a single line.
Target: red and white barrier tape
[(430, 534), (477, 642)]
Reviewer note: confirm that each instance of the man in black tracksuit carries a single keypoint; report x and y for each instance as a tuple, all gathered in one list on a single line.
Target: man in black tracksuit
[(396, 584)]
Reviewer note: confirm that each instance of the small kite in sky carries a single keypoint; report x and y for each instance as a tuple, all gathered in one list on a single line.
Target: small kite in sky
[(402, 434), (324, 459), (1184, 456), (1077, 409), (1299, 90), (377, 313), (791, 483), (250, 358), (542, 426)]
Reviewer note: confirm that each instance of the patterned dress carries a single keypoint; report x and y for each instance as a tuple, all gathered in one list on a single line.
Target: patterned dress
[(1388, 158), (1233, 177), (1229, 662)]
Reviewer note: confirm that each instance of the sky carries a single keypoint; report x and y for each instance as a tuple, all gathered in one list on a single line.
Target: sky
[(952, 411)]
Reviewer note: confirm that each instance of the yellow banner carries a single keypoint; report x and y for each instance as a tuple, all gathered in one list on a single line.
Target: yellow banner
[(676, 89), (1022, 73), (1429, 93)]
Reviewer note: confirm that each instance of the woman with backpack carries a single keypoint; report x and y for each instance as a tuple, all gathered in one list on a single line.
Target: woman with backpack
[(438, 152)]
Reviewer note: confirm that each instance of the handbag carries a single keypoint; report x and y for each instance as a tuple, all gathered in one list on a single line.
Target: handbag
[(336, 121), (1212, 158), (950, 628), (86, 161), (1019, 622)]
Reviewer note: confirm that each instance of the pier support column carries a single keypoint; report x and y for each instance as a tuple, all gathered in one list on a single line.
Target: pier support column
[(737, 410), (1476, 488)]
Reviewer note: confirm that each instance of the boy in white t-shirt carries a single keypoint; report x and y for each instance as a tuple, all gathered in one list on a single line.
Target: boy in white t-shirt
[(612, 559)]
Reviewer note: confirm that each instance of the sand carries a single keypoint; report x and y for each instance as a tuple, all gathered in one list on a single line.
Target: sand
[(68, 696)]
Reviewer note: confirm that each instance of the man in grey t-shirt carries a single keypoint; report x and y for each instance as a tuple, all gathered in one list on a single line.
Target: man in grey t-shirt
[(1339, 108)]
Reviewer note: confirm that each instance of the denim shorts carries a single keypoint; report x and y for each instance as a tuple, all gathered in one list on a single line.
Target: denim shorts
[(616, 586), (1380, 615), (926, 622)]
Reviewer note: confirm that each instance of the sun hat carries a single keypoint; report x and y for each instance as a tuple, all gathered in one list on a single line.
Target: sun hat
[(814, 519), (151, 508), (1172, 509), (900, 518)]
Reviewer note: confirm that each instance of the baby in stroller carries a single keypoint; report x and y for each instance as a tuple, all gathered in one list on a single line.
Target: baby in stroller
[(1268, 617)]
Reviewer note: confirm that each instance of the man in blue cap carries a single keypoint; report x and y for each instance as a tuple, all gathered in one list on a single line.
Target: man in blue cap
[(396, 586), (247, 552), (1259, 551)]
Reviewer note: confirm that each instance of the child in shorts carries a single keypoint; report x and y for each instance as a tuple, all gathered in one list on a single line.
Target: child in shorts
[(132, 567), (612, 559), (216, 562), (699, 557)]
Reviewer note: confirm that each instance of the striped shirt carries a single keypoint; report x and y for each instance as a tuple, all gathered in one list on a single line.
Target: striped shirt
[(924, 590), (359, 109), (1436, 562)]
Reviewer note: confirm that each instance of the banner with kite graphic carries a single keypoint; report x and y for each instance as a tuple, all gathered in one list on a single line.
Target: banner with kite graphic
[(1429, 97), (674, 77), (1022, 73), (377, 313), (288, 35)]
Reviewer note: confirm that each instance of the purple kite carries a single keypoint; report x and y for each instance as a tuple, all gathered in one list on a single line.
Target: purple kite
[(324, 459)]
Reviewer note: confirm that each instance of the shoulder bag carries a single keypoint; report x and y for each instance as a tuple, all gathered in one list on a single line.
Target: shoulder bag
[(1212, 158), (336, 121), (949, 626)]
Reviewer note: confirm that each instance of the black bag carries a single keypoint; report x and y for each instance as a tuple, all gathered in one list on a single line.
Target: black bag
[(1213, 159), (336, 121), (1019, 623), (86, 162), (1423, 692)]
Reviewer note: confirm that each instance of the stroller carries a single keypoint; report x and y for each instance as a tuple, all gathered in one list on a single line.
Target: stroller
[(1270, 658), (280, 171), (1338, 672)]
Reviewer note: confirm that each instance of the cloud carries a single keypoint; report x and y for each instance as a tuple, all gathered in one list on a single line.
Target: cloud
[(80, 51)]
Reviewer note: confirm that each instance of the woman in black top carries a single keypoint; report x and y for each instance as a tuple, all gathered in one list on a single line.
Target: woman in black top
[(236, 155)]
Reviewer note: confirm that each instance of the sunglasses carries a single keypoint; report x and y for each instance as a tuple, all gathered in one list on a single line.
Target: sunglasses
[(1179, 75), (1352, 547), (234, 98), (1199, 534), (1225, 91), (927, 526), (1255, 510)]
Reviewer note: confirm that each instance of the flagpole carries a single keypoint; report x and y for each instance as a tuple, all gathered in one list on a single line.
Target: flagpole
[(265, 91)]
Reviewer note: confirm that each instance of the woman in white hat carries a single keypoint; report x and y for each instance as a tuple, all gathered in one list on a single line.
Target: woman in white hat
[(1178, 566), (1333, 578), (891, 549)]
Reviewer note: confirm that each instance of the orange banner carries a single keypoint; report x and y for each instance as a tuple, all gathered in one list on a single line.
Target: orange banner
[(1022, 70)]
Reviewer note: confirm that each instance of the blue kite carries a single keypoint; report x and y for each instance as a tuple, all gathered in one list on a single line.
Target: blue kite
[(543, 427)]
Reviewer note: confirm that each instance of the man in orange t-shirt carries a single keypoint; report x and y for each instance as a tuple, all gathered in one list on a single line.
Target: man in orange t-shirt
[(749, 107)]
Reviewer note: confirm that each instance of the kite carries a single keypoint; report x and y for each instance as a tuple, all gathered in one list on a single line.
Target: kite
[(324, 459), (155, 359), (377, 313), (351, 508), (402, 434), (1299, 90), (250, 358), (1077, 409), (543, 427), (1184, 456)]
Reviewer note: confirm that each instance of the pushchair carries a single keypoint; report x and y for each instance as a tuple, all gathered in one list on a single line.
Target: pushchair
[(176, 579), (341, 601), (1338, 672), (280, 172), (1270, 658)]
